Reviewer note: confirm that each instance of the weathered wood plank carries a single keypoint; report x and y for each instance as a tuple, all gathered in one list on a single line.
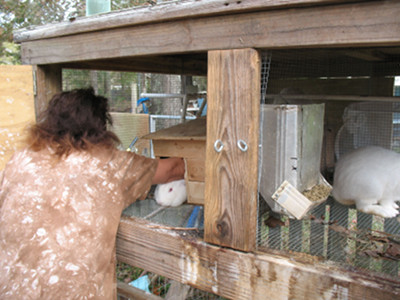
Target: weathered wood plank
[(238, 275), (167, 64), (231, 174), (162, 12), (195, 168), (130, 292), (48, 83), (195, 191), (186, 149), (188, 131), (372, 23)]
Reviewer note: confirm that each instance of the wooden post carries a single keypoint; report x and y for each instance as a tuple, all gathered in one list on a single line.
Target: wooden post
[(48, 83), (232, 148)]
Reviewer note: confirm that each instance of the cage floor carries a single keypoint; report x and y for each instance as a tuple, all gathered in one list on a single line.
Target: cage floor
[(332, 233), (339, 234), (185, 216)]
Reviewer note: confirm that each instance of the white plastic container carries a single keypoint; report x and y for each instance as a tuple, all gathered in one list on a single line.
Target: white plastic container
[(291, 138)]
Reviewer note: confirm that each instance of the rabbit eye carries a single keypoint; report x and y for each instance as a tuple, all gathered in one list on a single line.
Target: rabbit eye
[(170, 190)]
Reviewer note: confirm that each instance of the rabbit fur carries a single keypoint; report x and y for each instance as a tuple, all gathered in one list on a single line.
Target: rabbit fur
[(369, 177), (171, 194)]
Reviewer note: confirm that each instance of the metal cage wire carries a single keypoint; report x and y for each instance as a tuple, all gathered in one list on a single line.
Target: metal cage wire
[(331, 232)]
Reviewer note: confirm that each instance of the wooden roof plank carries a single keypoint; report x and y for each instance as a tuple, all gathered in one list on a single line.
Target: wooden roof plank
[(372, 23), (162, 12)]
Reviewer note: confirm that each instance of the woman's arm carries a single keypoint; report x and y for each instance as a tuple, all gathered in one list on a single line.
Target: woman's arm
[(169, 169)]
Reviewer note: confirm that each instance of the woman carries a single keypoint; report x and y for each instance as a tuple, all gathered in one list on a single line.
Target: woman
[(61, 199)]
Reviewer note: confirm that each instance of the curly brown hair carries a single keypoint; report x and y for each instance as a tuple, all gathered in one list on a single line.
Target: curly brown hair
[(73, 120)]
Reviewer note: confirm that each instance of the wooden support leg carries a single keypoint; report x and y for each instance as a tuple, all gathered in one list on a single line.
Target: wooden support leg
[(232, 148), (48, 83)]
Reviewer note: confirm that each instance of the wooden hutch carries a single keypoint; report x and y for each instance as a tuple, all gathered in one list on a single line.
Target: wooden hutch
[(223, 39)]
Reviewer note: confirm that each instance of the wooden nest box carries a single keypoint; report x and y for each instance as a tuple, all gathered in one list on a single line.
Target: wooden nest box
[(186, 140)]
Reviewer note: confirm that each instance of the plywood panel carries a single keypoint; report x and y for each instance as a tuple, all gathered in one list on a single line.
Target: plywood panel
[(195, 191), (231, 173), (17, 108), (195, 168)]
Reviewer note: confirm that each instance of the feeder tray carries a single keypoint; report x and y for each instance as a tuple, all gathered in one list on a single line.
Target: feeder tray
[(298, 204)]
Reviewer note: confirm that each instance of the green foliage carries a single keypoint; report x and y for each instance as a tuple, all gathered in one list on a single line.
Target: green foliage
[(10, 54), (20, 14)]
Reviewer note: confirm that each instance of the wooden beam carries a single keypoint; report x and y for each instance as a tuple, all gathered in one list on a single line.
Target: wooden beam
[(167, 64), (127, 291), (324, 98), (188, 149), (231, 174), (360, 24), (162, 12), (48, 83), (237, 275), (333, 63)]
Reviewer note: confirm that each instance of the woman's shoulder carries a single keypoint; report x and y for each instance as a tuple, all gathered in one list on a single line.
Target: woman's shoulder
[(22, 154)]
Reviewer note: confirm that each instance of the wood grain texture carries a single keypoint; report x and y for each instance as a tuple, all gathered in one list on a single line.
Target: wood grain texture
[(195, 168), (372, 23), (195, 192), (48, 83), (162, 12), (237, 275), (194, 64), (190, 130), (130, 292), (185, 149), (231, 175)]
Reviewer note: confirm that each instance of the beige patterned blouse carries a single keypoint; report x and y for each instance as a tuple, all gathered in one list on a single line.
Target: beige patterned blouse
[(59, 219)]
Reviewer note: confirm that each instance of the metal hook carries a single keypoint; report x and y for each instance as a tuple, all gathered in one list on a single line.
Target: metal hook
[(218, 146), (242, 145)]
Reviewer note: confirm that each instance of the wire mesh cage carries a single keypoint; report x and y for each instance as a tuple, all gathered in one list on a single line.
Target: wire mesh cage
[(369, 123), (332, 233), (329, 233)]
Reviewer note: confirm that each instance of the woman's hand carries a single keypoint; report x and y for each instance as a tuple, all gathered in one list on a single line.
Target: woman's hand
[(169, 169)]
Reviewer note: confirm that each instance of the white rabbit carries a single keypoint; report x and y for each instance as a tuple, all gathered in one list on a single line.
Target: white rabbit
[(171, 194), (369, 177)]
